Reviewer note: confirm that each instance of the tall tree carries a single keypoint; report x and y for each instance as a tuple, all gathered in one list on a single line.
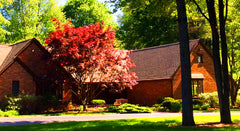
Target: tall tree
[(221, 69), (140, 28), (30, 18), (85, 12), (143, 26), (3, 21), (87, 53), (233, 41), (148, 23), (187, 109)]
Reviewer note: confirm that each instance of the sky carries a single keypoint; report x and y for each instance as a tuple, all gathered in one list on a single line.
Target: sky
[(115, 15)]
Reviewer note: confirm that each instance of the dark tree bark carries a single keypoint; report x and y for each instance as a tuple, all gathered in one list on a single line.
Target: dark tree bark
[(187, 109), (221, 69), (225, 111)]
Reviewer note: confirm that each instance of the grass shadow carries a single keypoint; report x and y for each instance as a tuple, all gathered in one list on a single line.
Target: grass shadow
[(109, 125)]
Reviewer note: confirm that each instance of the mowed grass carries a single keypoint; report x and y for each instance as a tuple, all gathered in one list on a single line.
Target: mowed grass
[(146, 124), (67, 114), (199, 111)]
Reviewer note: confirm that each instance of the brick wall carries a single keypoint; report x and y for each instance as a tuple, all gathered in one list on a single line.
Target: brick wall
[(34, 58), (206, 68), (146, 92), (16, 72)]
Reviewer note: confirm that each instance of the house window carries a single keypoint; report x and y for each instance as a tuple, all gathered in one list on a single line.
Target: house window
[(200, 59), (197, 87), (15, 87)]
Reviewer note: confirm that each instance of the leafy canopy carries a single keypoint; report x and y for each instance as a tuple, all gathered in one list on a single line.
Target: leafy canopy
[(88, 54), (85, 12), (28, 19)]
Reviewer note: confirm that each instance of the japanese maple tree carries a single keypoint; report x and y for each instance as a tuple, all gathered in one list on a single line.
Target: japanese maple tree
[(88, 54)]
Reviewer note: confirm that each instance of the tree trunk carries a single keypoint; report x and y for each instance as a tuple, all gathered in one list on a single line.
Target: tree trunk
[(233, 85), (225, 115), (187, 109)]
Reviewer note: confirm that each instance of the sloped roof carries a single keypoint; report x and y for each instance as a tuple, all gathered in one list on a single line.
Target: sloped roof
[(4, 51), (159, 62), (9, 52)]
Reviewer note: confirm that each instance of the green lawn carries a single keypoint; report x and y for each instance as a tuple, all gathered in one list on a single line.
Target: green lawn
[(67, 114), (147, 124), (232, 110)]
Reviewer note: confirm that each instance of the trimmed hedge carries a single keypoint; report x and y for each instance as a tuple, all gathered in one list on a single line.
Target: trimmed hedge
[(9, 113), (129, 108), (98, 102), (168, 104)]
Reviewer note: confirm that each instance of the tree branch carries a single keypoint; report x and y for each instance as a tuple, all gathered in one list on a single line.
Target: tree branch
[(200, 10)]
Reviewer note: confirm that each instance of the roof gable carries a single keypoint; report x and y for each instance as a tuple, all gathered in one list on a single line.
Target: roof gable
[(11, 53), (4, 51), (159, 62)]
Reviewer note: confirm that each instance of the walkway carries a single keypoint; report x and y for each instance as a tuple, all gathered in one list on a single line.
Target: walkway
[(7, 121)]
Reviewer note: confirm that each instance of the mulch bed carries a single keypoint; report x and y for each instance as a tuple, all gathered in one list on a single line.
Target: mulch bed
[(215, 125)]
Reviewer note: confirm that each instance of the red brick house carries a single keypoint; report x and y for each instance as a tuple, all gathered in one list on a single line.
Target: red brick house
[(25, 68), (159, 72)]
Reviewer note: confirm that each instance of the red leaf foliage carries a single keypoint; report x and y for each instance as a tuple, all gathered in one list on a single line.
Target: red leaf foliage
[(88, 54)]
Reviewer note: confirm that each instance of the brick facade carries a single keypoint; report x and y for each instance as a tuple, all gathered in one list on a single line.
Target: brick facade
[(13, 73), (35, 73), (146, 92), (206, 68)]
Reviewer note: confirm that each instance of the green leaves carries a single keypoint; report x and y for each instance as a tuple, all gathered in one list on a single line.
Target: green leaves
[(85, 12), (28, 19)]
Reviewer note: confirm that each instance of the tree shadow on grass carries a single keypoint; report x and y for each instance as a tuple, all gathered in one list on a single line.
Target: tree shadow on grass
[(116, 125)]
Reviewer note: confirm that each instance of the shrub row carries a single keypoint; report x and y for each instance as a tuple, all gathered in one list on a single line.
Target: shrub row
[(98, 102), (8, 113), (27, 104), (167, 104), (129, 108)]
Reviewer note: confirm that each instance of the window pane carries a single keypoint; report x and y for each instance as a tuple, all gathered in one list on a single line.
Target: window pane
[(15, 87), (197, 87), (200, 60)]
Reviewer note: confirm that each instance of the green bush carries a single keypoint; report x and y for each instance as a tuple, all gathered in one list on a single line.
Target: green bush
[(176, 106), (196, 107), (11, 103), (81, 108), (168, 104), (197, 102), (112, 108), (129, 108), (50, 101), (205, 107), (98, 102), (9, 113), (210, 98), (159, 107), (238, 101), (168, 101), (156, 105), (27, 104), (162, 109), (31, 104), (160, 100)]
